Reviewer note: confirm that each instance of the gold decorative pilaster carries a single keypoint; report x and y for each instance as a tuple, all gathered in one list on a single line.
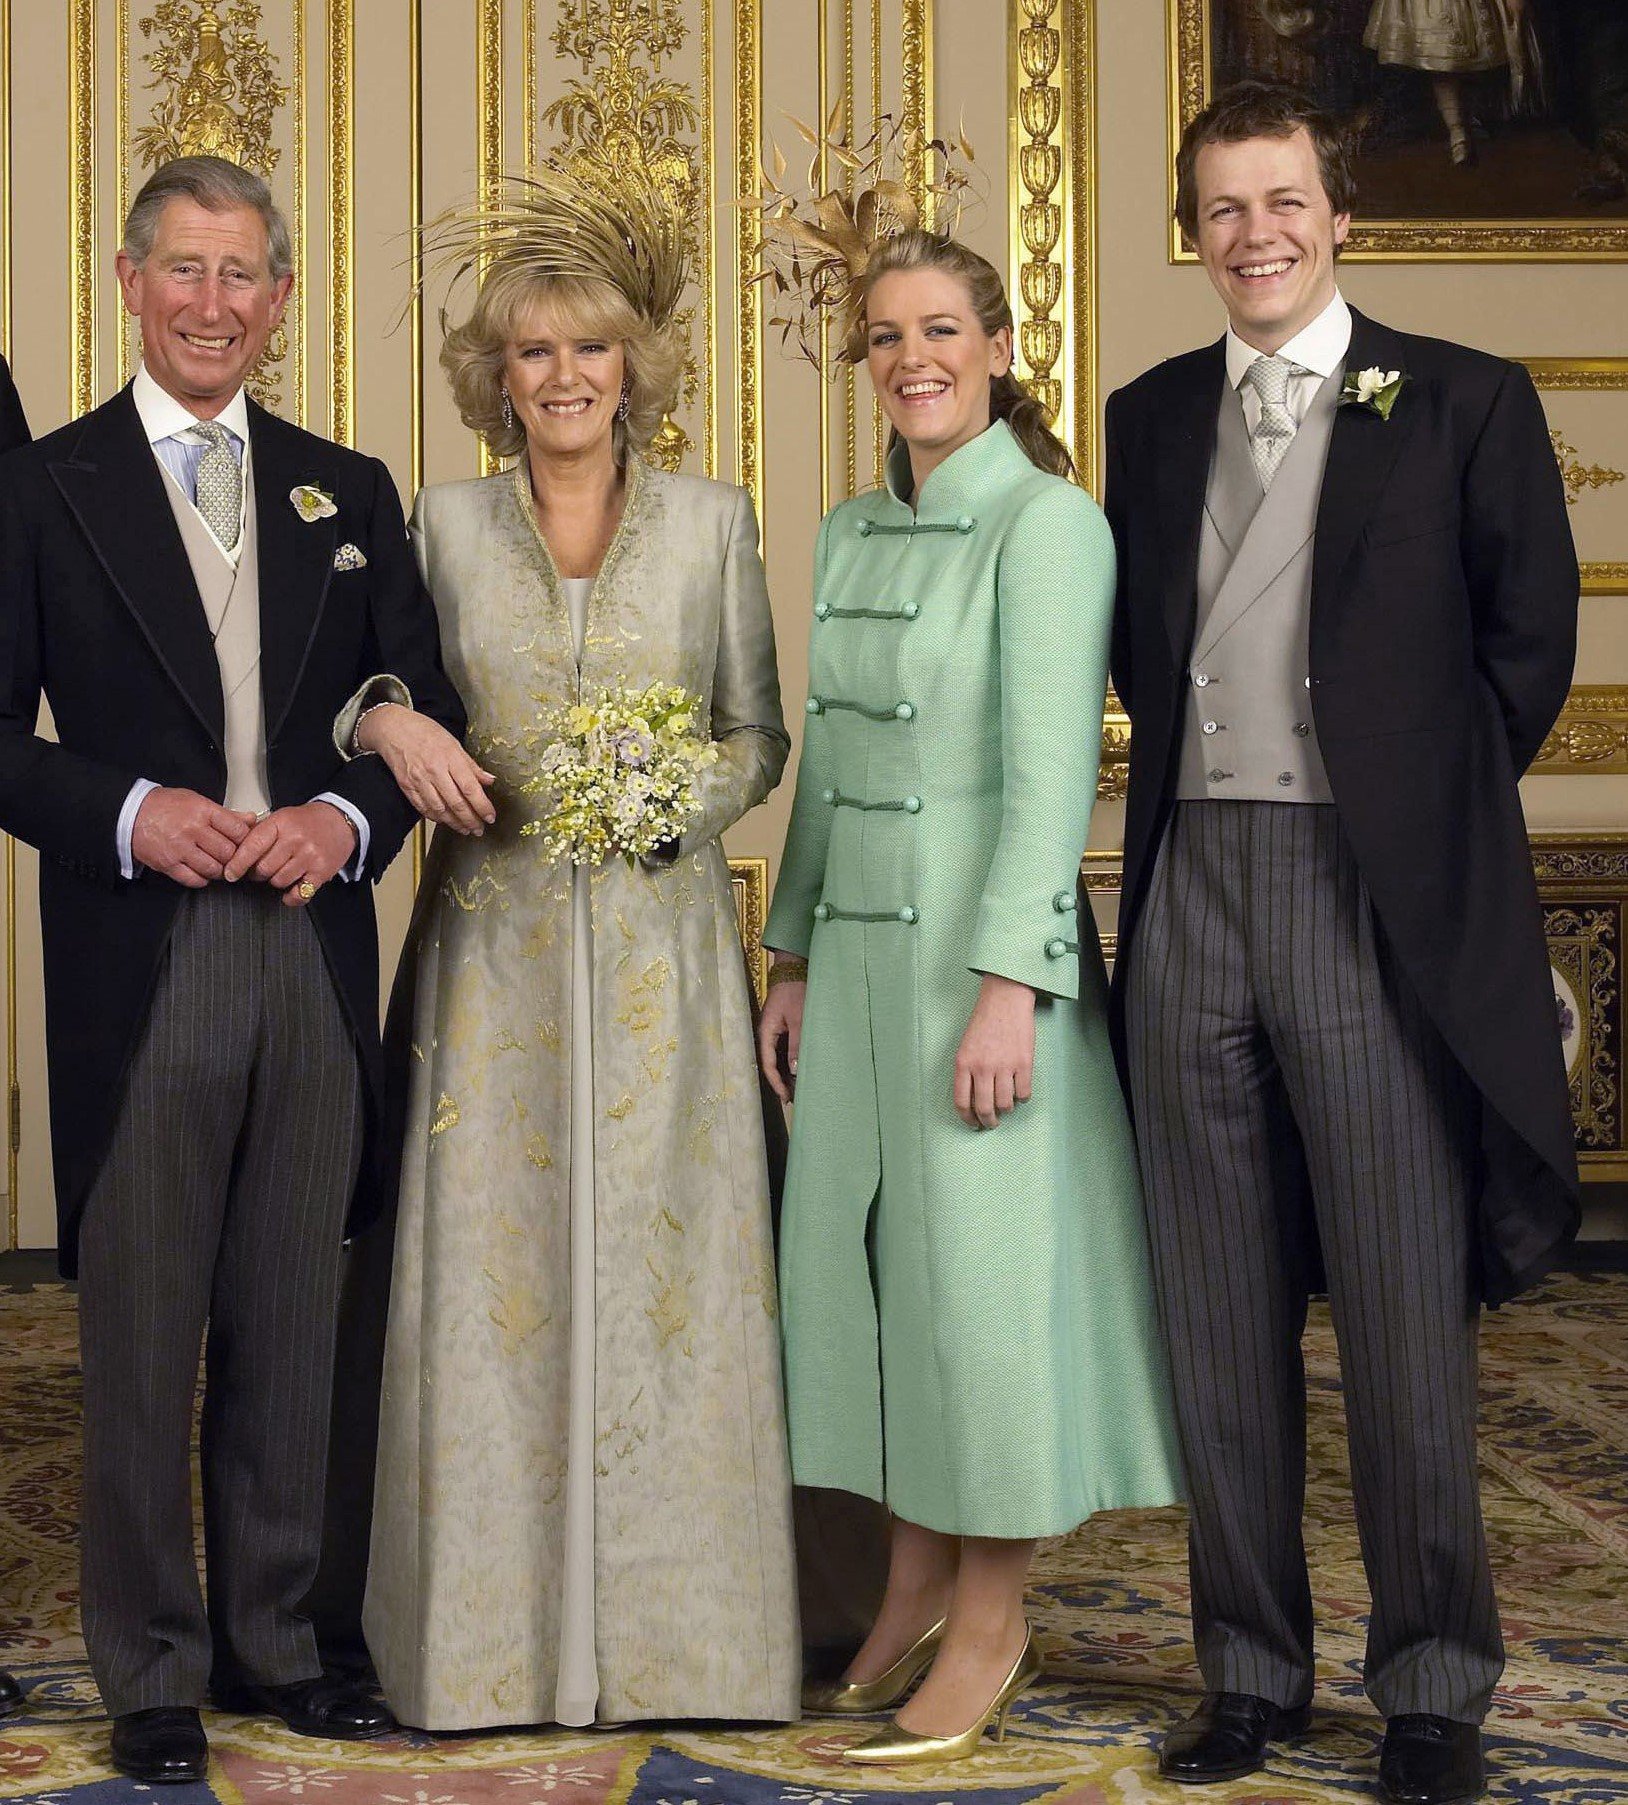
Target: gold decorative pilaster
[(918, 98), (342, 216), (82, 202), (1052, 208), (1590, 736), (489, 129), (748, 153)]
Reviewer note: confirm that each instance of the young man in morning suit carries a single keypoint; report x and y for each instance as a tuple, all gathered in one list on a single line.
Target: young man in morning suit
[(199, 588), (13, 431), (1347, 613)]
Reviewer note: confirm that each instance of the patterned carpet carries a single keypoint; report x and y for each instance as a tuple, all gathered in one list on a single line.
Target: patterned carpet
[(1111, 1600)]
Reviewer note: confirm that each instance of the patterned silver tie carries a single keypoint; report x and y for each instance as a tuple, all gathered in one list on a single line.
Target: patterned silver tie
[(220, 484), (1269, 378)]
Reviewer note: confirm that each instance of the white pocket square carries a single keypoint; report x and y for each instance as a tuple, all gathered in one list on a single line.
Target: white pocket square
[(349, 557)]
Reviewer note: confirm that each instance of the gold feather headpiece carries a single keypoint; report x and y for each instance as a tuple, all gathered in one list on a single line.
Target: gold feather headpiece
[(817, 245), (576, 220)]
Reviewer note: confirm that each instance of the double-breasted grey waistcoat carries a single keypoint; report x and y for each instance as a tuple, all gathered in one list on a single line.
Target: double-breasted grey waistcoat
[(1249, 734)]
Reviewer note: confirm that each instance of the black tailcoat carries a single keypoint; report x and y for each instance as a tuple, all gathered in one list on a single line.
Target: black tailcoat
[(99, 611), (1443, 631)]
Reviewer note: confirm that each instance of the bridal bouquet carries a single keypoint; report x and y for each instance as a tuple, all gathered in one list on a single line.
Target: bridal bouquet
[(621, 770)]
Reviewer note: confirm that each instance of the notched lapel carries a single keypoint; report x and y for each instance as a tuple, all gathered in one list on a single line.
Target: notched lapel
[(296, 556), (1361, 455), (115, 490), (1186, 442)]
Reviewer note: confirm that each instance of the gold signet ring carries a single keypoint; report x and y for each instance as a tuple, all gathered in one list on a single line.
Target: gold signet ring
[(307, 889)]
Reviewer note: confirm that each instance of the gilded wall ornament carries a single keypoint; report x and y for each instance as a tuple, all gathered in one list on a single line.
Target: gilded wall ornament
[(218, 96), (624, 115), (1578, 476), (217, 82)]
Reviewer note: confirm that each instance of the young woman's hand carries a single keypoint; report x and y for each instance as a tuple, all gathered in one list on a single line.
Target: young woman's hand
[(994, 1066), (433, 771), (780, 1030)]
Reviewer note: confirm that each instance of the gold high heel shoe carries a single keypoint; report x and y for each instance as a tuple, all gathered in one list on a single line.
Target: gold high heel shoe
[(898, 1747), (851, 1698)]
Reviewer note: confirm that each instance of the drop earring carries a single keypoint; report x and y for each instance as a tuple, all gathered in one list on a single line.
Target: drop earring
[(507, 410), (625, 403)]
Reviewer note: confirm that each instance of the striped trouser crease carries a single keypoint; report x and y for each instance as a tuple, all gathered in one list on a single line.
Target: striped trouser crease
[(216, 1221), (1291, 1093)]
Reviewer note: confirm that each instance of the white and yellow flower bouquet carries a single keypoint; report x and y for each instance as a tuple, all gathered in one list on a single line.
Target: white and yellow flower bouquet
[(620, 770)]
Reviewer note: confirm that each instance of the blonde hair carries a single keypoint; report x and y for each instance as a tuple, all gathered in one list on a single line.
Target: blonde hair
[(1009, 400), (472, 353)]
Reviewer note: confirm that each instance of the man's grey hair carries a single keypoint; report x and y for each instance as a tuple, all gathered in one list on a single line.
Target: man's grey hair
[(216, 185)]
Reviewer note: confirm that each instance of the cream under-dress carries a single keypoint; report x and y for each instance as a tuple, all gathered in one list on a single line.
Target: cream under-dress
[(576, 1690)]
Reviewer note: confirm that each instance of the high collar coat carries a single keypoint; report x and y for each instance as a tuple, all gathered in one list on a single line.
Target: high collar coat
[(99, 612), (1443, 632)]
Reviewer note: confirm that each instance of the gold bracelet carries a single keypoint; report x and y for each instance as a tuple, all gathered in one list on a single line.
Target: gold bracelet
[(788, 971)]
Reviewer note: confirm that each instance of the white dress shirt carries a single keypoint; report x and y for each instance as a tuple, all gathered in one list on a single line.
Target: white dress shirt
[(1319, 349), (169, 427)]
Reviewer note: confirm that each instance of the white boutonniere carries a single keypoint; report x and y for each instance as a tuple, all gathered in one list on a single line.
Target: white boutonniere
[(1373, 388), (312, 502)]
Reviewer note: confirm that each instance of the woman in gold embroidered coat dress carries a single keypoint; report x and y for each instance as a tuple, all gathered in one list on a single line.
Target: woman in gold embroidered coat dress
[(582, 1504)]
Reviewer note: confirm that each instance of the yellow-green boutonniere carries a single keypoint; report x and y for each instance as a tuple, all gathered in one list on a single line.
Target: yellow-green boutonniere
[(1373, 388), (312, 503)]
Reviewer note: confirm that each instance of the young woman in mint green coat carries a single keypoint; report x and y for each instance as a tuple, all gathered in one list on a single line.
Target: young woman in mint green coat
[(967, 1313)]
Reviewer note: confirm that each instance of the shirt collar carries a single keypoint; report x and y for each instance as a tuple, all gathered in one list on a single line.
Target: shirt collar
[(163, 417), (1319, 347)]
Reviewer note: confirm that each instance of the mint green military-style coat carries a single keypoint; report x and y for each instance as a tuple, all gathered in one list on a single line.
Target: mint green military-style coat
[(968, 1324)]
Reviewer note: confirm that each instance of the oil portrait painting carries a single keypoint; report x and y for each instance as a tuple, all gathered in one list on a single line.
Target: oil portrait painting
[(1485, 128)]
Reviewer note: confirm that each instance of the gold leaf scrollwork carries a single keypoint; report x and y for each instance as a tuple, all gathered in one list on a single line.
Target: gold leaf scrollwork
[(218, 96), (1578, 476), (1583, 949), (624, 115)]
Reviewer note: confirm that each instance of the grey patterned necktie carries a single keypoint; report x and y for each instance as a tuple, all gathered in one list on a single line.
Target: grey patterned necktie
[(1269, 378), (219, 484)]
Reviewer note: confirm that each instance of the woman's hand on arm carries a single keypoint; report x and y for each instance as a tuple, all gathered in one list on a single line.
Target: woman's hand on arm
[(434, 772), (994, 1066), (781, 1024)]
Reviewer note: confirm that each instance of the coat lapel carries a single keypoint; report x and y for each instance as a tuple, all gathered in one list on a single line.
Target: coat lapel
[(1361, 455), (296, 556), (1186, 442), (115, 489)]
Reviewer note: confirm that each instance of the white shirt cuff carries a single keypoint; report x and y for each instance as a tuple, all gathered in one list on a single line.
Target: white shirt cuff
[(140, 790), (351, 872)]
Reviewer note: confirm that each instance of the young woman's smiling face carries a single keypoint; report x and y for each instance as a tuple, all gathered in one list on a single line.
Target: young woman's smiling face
[(931, 361)]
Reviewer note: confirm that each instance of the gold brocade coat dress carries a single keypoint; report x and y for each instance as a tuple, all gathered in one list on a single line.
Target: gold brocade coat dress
[(693, 1592)]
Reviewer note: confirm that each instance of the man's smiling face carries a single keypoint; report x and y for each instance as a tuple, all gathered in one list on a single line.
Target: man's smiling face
[(206, 301), (1267, 234)]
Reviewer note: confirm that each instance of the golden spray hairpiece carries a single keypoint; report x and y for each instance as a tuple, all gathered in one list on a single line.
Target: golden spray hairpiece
[(574, 220), (816, 246)]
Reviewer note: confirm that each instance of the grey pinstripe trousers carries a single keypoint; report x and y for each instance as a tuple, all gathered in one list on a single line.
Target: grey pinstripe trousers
[(221, 1202), (1288, 1085)]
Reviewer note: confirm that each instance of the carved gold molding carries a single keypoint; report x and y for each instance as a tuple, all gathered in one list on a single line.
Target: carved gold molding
[(1188, 39), (1578, 476), (1591, 735), (1577, 373), (749, 884), (748, 63), (1052, 209), (82, 202), (342, 217), (917, 25), (1601, 578)]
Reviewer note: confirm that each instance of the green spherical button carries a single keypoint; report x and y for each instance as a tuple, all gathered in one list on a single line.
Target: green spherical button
[(829, 795), (1064, 902), (814, 705), (864, 529), (912, 805), (906, 711), (1056, 948), (822, 611), (908, 916), (910, 610), (822, 911)]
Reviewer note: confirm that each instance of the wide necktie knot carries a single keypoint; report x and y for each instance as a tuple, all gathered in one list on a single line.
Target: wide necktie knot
[(1269, 377), (219, 484)]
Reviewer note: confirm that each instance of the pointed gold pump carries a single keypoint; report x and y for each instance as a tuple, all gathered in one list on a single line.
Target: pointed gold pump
[(897, 1747), (850, 1698)]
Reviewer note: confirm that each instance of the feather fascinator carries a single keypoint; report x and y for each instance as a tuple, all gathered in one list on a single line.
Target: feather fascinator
[(573, 220)]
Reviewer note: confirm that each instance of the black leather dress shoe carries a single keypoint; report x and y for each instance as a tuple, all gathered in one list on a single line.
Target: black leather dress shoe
[(1431, 1761), (11, 1694), (327, 1706), (1226, 1737), (162, 1747)]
